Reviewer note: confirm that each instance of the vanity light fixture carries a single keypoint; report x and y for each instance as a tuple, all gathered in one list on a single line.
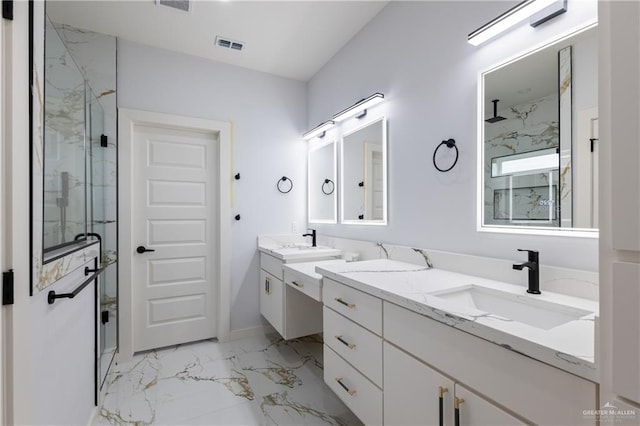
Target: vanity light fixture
[(511, 17), (319, 131), (359, 109)]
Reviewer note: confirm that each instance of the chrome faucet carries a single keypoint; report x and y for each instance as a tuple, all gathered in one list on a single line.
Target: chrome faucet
[(312, 235), (534, 270)]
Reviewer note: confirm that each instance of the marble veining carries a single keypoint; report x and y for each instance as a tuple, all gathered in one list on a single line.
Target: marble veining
[(526, 199), (569, 346), (257, 380)]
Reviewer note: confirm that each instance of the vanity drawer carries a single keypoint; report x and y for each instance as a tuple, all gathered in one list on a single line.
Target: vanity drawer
[(305, 285), (358, 393), (360, 307), (360, 347), (271, 265)]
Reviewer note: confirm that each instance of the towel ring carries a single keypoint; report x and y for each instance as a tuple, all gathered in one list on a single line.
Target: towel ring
[(327, 182), (450, 143), (284, 179)]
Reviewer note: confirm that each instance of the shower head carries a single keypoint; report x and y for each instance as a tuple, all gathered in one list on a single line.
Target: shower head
[(495, 117)]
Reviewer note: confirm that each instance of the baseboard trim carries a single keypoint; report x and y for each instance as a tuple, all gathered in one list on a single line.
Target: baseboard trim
[(250, 332)]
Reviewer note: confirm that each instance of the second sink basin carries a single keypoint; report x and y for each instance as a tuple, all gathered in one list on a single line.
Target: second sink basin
[(541, 314)]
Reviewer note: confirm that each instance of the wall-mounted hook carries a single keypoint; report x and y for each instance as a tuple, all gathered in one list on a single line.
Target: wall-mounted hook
[(237, 176), (237, 217), (361, 184)]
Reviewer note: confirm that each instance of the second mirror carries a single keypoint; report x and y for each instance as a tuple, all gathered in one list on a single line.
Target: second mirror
[(364, 174)]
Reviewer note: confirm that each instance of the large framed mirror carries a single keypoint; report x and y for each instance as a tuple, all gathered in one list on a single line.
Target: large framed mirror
[(322, 180), (538, 141), (364, 174)]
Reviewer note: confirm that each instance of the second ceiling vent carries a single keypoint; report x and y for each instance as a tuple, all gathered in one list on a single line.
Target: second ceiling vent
[(228, 43), (183, 5)]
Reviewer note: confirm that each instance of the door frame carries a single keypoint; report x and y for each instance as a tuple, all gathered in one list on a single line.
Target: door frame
[(127, 120)]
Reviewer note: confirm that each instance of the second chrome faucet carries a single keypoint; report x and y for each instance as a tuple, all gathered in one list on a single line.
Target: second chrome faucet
[(533, 265)]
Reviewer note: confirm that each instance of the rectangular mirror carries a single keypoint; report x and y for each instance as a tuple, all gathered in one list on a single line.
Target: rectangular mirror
[(538, 144), (322, 180), (364, 174), (65, 174)]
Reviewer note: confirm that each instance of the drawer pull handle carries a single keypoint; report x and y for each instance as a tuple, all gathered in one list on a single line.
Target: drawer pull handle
[(456, 405), (344, 342), (349, 391), (441, 391), (297, 284), (348, 305)]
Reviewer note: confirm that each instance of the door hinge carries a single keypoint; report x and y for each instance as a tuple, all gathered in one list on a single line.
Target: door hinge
[(7, 9), (7, 287), (104, 317)]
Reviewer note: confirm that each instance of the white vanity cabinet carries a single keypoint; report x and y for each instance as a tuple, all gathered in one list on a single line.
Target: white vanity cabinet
[(353, 349), (378, 349), (415, 393), (291, 313), (534, 391)]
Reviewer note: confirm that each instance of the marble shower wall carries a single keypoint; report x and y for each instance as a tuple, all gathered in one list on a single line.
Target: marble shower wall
[(528, 127), (95, 55), (64, 150)]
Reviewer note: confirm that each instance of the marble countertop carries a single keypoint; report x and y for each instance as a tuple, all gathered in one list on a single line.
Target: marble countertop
[(308, 269), (569, 346), (298, 251)]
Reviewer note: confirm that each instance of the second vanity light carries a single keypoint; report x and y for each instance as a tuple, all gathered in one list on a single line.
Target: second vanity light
[(359, 109)]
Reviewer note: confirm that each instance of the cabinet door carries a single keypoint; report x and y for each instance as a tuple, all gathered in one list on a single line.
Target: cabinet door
[(412, 391), (271, 300), (475, 410)]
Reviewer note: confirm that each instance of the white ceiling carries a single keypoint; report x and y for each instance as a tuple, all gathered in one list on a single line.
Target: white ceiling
[(292, 39)]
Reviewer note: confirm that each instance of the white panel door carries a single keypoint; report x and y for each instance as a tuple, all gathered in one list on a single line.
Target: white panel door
[(174, 212), (374, 187)]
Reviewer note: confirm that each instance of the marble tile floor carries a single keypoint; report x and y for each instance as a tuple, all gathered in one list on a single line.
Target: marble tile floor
[(262, 380)]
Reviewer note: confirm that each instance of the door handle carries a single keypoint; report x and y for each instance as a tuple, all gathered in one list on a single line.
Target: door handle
[(142, 249)]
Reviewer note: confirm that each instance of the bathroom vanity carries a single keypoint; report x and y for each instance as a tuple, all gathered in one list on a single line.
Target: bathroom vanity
[(406, 344), (291, 311)]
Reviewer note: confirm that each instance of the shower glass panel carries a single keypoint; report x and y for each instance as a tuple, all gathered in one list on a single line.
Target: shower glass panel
[(99, 169), (65, 208)]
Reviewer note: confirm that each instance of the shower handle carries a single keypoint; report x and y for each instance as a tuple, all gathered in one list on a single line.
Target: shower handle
[(142, 249)]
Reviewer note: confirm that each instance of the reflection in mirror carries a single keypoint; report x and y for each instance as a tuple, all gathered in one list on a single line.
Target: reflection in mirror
[(540, 117), (364, 174), (64, 207), (322, 183)]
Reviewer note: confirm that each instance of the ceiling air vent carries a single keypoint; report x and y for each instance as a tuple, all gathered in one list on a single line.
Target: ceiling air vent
[(183, 5), (229, 44)]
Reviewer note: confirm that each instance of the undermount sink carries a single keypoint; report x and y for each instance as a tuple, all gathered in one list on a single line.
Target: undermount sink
[(521, 308)]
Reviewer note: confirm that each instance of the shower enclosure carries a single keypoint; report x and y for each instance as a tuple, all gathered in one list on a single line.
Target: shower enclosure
[(79, 165)]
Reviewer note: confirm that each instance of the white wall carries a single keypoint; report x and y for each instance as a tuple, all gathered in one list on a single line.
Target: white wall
[(416, 53), (50, 348), (268, 116)]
